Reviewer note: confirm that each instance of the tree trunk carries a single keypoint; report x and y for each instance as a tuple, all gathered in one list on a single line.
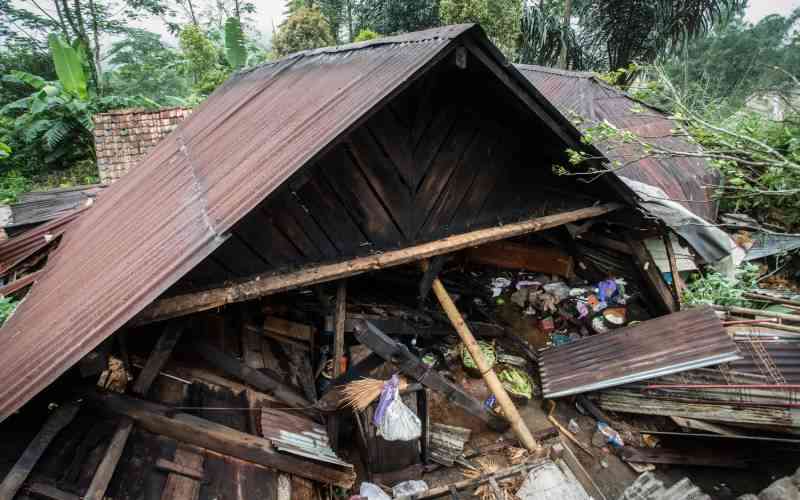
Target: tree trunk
[(562, 58), (96, 33)]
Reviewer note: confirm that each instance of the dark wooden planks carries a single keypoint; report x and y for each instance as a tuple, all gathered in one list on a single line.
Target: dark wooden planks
[(238, 258), (364, 207), (445, 163), (394, 138), (445, 212), (158, 357), (331, 216), (383, 178), (60, 418)]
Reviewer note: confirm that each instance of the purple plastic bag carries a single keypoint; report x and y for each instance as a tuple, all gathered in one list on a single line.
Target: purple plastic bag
[(387, 396)]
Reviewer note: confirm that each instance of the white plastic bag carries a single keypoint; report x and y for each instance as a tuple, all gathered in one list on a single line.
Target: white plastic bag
[(399, 422), (408, 488), (372, 492)]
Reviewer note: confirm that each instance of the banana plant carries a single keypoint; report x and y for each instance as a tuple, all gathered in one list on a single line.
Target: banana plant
[(70, 62)]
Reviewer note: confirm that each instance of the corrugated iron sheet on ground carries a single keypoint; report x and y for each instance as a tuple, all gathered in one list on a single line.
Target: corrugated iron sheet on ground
[(683, 179), (673, 343), (163, 218)]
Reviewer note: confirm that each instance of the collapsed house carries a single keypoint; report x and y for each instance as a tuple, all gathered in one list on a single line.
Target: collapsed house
[(204, 271)]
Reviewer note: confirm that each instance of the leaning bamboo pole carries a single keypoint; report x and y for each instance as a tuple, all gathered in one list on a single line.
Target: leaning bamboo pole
[(489, 376)]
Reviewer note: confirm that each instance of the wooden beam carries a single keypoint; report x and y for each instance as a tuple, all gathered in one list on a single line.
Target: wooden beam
[(290, 329), (266, 284), (158, 358), (660, 292), (257, 379), (511, 255), (160, 419), (180, 468), (105, 471), (412, 366), (185, 475), (60, 418), (155, 362), (340, 315), (677, 283), (42, 490)]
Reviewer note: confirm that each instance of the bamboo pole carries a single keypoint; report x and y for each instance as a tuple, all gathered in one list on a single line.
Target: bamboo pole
[(744, 311), (489, 376)]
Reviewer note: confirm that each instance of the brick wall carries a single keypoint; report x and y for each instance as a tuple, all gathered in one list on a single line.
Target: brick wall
[(122, 138)]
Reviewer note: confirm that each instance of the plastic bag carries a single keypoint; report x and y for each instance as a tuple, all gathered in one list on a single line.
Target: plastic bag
[(399, 423), (408, 488), (372, 492)]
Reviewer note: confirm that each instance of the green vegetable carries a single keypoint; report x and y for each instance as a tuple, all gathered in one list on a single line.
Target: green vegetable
[(488, 353), (516, 381)]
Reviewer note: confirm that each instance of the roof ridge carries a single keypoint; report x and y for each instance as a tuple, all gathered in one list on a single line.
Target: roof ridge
[(556, 71), (448, 32)]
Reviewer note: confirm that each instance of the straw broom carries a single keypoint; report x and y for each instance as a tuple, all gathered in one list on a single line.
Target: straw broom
[(359, 394)]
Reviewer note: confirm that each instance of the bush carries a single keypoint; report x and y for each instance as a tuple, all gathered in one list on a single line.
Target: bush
[(714, 288)]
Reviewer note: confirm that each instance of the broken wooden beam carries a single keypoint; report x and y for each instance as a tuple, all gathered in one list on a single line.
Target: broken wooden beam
[(288, 329), (470, 483), (412, 366), (60, 418), (108, 464), (257, 379), (158, 358), (155, 362), (42, 490), (270, 283), (160, 419), (659, 290)]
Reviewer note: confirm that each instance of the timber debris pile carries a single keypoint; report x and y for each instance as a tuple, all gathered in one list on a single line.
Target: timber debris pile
[(379, 296)]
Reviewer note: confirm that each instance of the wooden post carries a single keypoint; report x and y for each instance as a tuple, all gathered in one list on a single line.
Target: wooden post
[(338, 341), (60, 418), (489, 376), (158, 358), (677, 284), (660, 292), (340, 314)]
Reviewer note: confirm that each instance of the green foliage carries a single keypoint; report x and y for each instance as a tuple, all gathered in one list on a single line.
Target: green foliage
[(712, 287), (366, 34), (544, 35), (738, 59), (500, 19), (5, 151), (305, 29), (616, 33), (202, 60), (7, 307), (391, 16), (69, 62), (235, 51), (143, 65)]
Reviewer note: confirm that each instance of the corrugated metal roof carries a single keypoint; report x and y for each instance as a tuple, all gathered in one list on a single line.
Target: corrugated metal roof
[(683, 179), (165, 216), (677, 342), (172, 211)]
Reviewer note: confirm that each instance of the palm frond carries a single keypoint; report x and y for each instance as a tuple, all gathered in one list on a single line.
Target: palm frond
[(57, 133)]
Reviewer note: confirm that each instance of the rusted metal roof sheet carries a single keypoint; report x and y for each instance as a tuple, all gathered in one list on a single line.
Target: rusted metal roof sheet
[(15, 250), (683, 179), (158, 222), (677, 342), (41, 206)]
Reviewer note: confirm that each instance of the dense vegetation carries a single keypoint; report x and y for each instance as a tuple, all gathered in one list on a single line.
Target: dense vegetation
[(61, 62)]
